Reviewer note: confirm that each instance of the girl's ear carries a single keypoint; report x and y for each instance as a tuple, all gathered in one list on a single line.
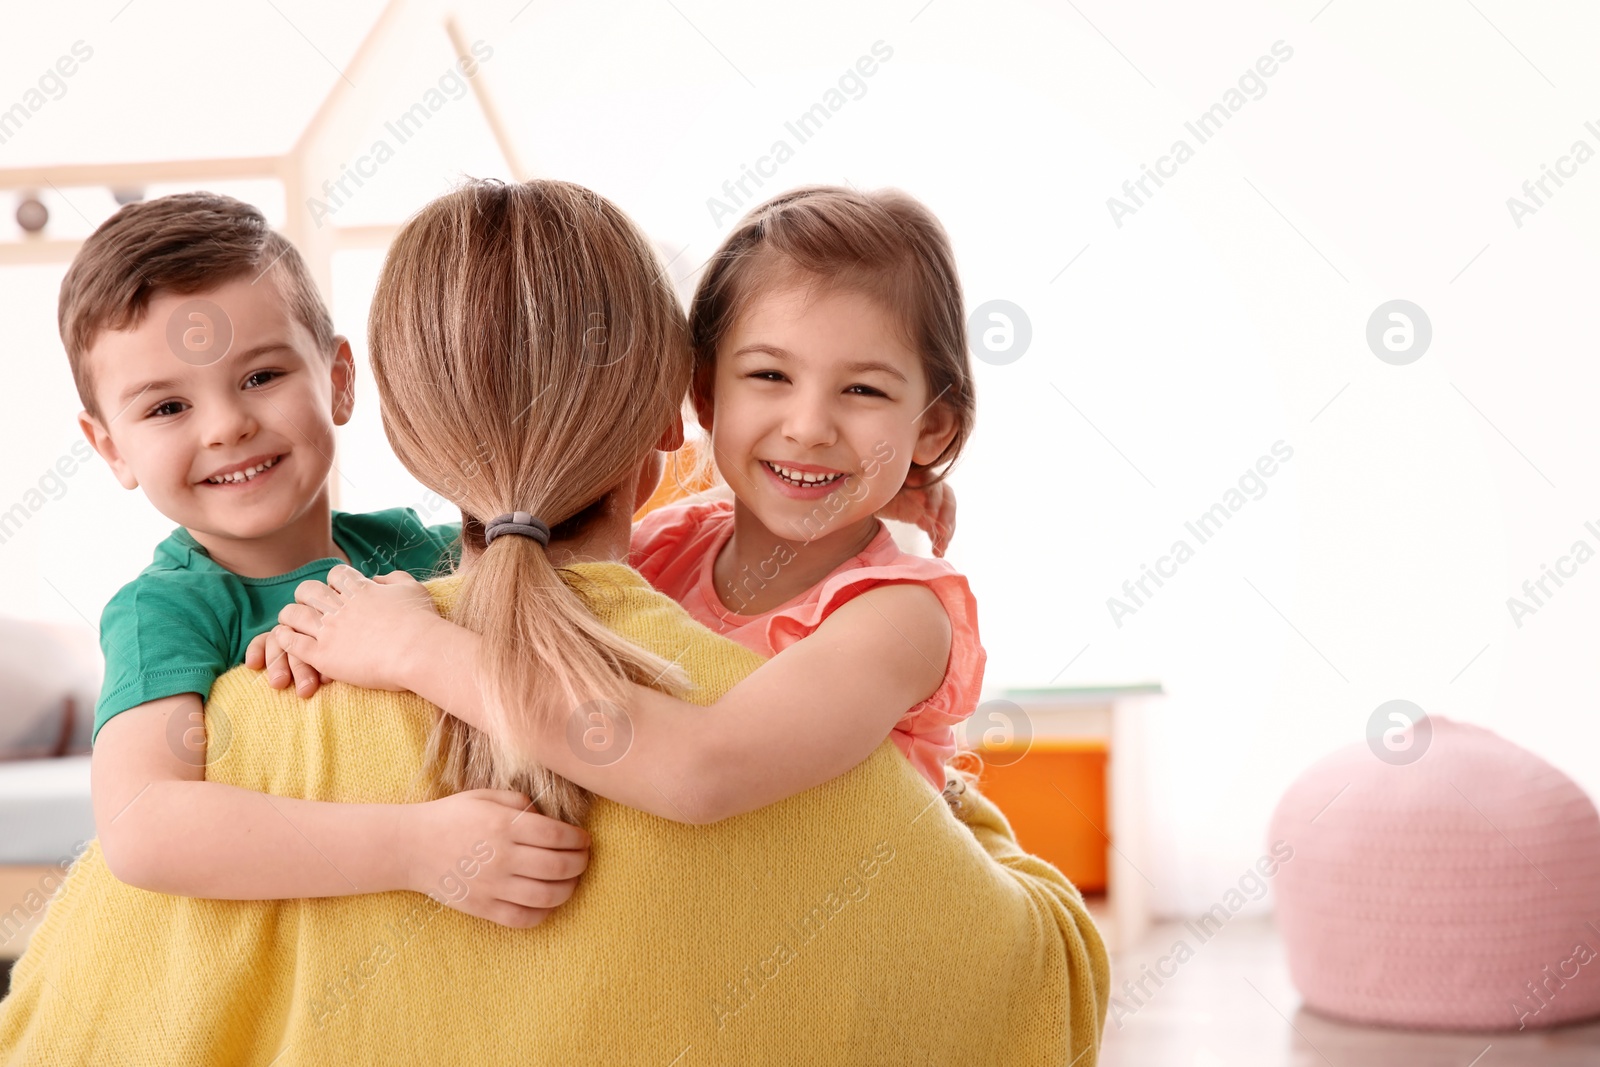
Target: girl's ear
[(937, 431), (344, 381), (100, 439)]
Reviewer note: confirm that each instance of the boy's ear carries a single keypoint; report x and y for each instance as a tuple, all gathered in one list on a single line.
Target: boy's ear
[(344, 380), (937, 431), (100, 439)]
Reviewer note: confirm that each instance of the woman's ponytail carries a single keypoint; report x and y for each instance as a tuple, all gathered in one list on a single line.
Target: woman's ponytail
[(530, 352)]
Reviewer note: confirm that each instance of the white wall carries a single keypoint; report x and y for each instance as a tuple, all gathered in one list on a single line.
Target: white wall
[(1226, 314)]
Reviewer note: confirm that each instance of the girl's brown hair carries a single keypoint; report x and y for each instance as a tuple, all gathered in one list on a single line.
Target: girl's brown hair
[(529, 351), (884, 244)]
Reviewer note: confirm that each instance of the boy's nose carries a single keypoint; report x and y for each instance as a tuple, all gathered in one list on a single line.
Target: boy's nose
[(228, 424)]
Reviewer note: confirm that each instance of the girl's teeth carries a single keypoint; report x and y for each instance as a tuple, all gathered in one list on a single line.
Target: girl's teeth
[(242, 476), (802, 478)]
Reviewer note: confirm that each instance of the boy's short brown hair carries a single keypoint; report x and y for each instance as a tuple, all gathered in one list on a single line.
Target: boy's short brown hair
[(184, 243)]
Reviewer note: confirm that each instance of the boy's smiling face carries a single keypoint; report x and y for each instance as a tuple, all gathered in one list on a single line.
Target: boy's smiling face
[(174, 424)]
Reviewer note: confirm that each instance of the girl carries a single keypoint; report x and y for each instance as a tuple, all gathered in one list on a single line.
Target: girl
[(830, 365)]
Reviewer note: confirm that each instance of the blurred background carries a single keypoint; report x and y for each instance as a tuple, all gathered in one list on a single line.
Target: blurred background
[(1155, 343)]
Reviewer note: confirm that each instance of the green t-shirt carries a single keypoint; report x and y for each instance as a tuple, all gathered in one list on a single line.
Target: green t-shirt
[(186, 619)]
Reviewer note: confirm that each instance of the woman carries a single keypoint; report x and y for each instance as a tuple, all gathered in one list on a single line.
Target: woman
[(858, 922)]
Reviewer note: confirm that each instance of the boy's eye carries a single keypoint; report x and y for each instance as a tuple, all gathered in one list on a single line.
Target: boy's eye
[(166, 407), (262, 377)]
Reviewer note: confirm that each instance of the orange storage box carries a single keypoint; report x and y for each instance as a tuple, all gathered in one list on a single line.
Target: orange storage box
[(1055, 799)]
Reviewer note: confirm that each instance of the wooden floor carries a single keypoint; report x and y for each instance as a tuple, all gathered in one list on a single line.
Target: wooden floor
[(1231, 1005)]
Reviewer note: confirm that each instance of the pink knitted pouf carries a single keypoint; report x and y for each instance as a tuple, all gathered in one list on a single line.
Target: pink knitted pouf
[(1460, 891)]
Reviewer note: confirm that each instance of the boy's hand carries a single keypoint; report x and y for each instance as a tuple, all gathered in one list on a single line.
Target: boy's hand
[(486, 852), (357, 629), (265, 653), (933, 510)]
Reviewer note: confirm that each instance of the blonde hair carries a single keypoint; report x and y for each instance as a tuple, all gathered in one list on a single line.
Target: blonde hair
[(529, 351)]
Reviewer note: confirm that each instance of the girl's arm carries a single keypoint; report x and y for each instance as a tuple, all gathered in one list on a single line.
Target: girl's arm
[(162, 827), (804, 717)]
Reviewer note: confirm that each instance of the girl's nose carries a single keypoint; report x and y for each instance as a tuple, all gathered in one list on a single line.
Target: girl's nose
[(809, 423)]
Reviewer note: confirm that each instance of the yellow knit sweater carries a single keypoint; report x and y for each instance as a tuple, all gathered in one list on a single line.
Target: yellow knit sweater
[(858, 923)]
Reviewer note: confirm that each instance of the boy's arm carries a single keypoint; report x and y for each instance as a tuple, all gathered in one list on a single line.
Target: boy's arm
[(806, 716), (164, 828)]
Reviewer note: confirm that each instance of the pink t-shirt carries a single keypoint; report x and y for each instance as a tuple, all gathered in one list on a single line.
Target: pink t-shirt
[(676, 547)]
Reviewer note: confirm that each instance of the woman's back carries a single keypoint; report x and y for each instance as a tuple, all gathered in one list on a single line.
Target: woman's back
[(856, 923)]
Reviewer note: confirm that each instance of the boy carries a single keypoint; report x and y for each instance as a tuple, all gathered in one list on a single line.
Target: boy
[(212, 379)]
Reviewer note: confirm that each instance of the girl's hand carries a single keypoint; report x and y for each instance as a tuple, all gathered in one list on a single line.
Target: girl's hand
[(932, 509), (486, 852), (266, 653), (357, 629)]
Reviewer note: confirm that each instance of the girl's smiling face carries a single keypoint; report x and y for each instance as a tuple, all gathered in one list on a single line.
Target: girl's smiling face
[(183, 431), (817, 395)]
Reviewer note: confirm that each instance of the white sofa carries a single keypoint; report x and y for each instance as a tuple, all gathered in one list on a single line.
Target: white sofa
[(49, 679)]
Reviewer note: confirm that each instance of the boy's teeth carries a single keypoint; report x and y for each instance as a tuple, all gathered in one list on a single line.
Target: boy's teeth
[(803, 477), (242, 476)]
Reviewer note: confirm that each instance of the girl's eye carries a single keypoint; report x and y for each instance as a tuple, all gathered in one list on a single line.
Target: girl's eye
[(768, 375), (165, 408), (867, 390), (262, 377)]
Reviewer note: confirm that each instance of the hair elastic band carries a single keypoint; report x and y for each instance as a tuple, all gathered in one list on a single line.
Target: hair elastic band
[(520, 523)]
